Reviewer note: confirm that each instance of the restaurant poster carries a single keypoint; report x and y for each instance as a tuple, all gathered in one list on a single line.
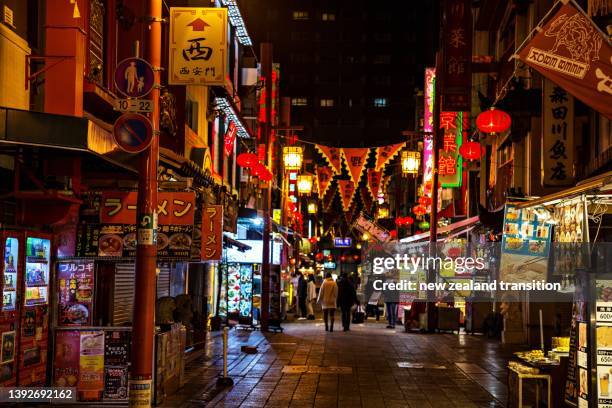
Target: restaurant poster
[(67, 358), (116, 347), (91, 365), (603, 336), (526, 242), (115, 383), (212, 232), (75, 283)]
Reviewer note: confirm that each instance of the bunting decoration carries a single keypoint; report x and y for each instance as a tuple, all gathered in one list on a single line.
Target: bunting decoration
[(355, 161), (324, 177), (366, 198), (347, 191), (385, 153), (328, 198), (332, 155), (374, 182)]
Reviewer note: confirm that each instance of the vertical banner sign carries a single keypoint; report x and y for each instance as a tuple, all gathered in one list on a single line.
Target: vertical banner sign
[(347, 190), (324, 177), (328, 198), (457, 75), (385, 153), (571, 51), (558, 133), (355, 161), (333, 157), (230, 138), (212, 232), (374, 178), (430, 80), (450, 162), (198, 46), (75, 281)]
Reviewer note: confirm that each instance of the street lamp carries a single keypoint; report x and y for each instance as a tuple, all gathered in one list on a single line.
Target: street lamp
[(304, 184), (312, 207), (383, 211), (410, 162), (292, 157)]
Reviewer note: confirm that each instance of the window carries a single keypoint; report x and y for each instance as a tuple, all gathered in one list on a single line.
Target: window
[(300, 35), (382, 59), (300, 15), (299, 101), (380, 102), (327, 102), (328, 17)]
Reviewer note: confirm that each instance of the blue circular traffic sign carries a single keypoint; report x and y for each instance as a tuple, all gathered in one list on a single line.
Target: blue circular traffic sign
[(134, 77), (133, 132)]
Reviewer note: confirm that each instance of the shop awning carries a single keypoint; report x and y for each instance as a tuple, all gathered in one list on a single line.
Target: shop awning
[(451, 230), (227, 240), (226, 105), (600, 183), (45, 131)]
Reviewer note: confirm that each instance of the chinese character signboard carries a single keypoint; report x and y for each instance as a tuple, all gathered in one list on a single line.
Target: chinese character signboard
[(430, 80), (212, 232), (324, 178), (347, 190), (230, 139), (332, 155), (572, 52), (450, 161), (343, 242), (356, 158), (198, 46), (457, 69), (558, 143), (365, 225), (385, 153)]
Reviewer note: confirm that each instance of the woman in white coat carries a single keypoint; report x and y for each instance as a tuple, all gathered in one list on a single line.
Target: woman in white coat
[(312, 297), (328, 297)]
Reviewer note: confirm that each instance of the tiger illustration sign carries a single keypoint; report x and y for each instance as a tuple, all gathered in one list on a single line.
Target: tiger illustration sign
[(572, 52)]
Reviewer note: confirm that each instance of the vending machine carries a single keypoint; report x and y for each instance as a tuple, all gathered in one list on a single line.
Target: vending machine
[(24, 318)]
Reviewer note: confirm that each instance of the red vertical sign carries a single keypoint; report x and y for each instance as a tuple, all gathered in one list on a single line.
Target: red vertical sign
[(230, 138), (212, 232), (457, 70)]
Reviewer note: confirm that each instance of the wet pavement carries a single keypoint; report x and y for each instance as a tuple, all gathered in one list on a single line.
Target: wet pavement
[(370, 366)]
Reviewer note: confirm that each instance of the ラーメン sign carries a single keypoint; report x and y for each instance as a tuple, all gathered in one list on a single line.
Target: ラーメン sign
[(198, 46)]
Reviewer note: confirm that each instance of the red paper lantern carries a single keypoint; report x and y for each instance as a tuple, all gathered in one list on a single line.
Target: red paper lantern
[(247, 160), (493, 121), (471, 150), (408, 220), (419, 209), (393, 234), (261, 171), (313, 240), (425, 200)]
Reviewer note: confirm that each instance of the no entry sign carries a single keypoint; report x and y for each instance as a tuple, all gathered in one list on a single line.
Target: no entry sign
[(133, 132)]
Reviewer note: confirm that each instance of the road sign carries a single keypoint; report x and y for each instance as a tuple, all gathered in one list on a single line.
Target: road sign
[(133, 132), (134, 105), (134, 77)]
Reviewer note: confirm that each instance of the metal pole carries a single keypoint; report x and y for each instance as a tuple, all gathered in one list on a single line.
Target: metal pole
[(143, 328), (266, 70)]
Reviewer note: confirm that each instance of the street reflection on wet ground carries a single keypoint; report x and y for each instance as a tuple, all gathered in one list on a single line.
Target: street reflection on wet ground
[(369, 366)]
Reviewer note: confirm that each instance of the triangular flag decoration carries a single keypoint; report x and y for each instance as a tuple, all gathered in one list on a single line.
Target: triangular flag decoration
[(328, 198), (347, 191), (332, 155), (350, 214), (386, 153), (356, 158), (75, 12), (324, 178), (374, 180), (365, 197)]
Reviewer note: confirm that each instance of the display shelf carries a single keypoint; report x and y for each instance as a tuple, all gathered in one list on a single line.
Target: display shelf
[(37, 260)]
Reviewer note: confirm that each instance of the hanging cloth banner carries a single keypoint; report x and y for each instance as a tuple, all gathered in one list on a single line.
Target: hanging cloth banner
[(332, 155), (374, 182), (324, 178), (571, 51), (385, 153), (328, 198), (355, 161), (350, 214), (347, 191)]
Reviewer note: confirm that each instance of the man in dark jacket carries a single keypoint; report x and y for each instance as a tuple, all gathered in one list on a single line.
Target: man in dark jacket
[(347, 297), (302, 293)]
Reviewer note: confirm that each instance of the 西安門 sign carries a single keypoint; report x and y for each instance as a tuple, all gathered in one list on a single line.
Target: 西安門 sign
[(198, 46), (341, 242)]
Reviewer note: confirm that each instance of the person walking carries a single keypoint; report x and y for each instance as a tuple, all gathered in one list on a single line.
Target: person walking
[(302, 292), (328, 297), (312, 296), (347, 297), (391, 301)]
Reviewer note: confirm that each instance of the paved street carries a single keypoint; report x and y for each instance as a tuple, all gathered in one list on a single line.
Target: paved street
[(305, 367)]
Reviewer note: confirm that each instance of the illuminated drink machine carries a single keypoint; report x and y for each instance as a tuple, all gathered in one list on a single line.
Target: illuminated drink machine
[(24, 317)]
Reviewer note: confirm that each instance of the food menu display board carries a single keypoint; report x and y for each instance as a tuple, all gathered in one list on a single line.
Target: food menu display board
[(11, 260), (240, 290), (576, 383), (37, 271), (603, 345), (571, 231), (94, 361), (75, 285)]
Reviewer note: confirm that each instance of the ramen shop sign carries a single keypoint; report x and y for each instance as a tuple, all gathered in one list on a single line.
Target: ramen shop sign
[(212, 232), (173, 208)]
